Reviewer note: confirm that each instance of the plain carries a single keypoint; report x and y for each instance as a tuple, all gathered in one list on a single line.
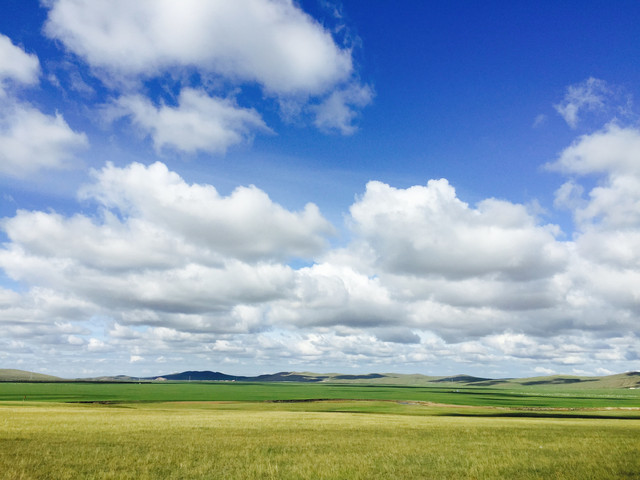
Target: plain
[(226, 430)]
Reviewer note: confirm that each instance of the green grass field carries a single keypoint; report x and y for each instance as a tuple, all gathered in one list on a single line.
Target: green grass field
[(261, 431), (251, 392)]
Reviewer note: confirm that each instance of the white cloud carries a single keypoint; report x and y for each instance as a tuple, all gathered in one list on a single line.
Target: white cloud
[(31, 140), (246, 224), (590, 95), (40, 320), (614, 203), (569, 196), (198, 123), (612, 149), (613, 154), (617, 248), (165, 265), (16, 65), (605, 267), (489, 292), (74, 340), (427, 230), (271, 42), (330, 295), (166, 253), (96, 345), (544, 371), (337, 111)]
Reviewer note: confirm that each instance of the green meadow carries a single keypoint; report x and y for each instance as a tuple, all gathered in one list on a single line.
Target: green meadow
[(539, 396), (314, 431)]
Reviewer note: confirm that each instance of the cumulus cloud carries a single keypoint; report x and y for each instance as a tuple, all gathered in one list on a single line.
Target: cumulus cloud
[(16, 65), (569, 196), (612, 154), (273, 43), (330, 295), (427, 231), (605, 265), (31, 140), (198, 123), (246, 225), (97, 345), (42, 308), (612, 149), (163, 252), (269, 43), (177, 270)]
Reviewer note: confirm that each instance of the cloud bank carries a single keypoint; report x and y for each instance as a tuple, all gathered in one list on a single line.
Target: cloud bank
[(195, 273)]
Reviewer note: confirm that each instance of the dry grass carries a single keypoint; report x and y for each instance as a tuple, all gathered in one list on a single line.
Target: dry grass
[(213, 441)]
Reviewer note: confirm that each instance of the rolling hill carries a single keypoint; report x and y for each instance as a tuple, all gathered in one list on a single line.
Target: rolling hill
[(13, 375), (621, 380)]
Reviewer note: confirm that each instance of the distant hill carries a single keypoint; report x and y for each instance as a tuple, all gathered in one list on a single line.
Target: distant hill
[(621, 380), (208, 376), (466, 379), (12, 375), (303, 377), (110, 379), (198, 376), (289, 377)]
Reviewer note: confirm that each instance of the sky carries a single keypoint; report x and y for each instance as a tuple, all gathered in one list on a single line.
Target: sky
[(271, 185)]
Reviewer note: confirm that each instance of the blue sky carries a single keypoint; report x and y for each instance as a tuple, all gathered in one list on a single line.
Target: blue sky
[(255, 186)]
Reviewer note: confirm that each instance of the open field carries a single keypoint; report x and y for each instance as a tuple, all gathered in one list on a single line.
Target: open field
[(258, 440), (231, 430), (510, 396)]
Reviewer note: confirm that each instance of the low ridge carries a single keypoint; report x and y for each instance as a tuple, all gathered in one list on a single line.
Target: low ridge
[(622, 380), (13, 375)]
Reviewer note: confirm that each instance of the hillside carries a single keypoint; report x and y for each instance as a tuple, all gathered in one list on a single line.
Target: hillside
[(198, 376), (621, 380), (13, 375)]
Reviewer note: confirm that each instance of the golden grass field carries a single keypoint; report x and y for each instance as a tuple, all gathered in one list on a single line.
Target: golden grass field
[(301, 441)]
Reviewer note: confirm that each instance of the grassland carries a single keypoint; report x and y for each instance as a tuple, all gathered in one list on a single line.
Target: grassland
[(510, 396), (260, 431), (258, 440)]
